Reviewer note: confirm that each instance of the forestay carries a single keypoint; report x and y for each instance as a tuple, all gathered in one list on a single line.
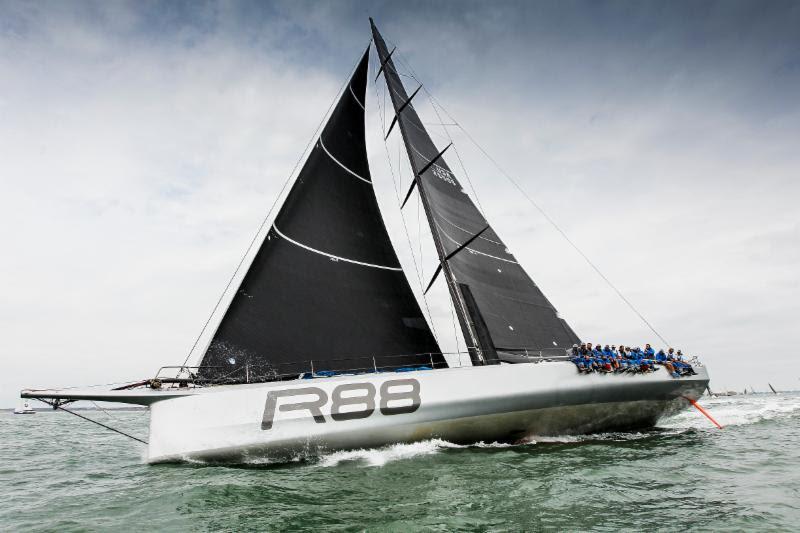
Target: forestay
[(501, 310), (326, 285)]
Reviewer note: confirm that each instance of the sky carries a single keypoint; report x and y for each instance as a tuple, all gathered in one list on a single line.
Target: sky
[(142, 144)]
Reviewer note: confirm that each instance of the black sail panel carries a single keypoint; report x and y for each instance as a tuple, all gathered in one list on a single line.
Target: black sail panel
[(325, 292), (503, 303)]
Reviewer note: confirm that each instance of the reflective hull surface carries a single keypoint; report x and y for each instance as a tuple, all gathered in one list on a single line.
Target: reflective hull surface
[(283, 420)]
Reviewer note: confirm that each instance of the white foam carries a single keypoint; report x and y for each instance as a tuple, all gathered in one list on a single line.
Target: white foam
[(482, 444), (381, 456), (397, 452), (736, 411), (556, 439)]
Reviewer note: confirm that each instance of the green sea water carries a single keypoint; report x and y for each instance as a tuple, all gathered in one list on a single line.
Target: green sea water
[(58, 473)]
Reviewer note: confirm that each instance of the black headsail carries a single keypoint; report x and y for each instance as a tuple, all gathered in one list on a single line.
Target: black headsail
[(326, 285), (502, 312)]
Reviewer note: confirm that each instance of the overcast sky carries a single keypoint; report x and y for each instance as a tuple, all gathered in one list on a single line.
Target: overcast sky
[(141, 144)]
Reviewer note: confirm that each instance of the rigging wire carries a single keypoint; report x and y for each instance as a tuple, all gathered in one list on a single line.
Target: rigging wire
[(458, 155), (56, 405), (541, 211), (557, 228), (419, 234), (100, 408), (382, 110), (382, 118), (455, 333), (269, 213), (444, 125)]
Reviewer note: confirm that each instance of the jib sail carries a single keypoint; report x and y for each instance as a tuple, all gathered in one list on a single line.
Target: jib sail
[(325, 292), (503, 313)]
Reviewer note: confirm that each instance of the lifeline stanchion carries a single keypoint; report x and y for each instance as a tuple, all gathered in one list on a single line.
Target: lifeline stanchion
[(707, 415)]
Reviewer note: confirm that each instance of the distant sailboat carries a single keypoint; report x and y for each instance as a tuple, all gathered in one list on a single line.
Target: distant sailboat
[(324, 345), (772, 388), (24, 408)]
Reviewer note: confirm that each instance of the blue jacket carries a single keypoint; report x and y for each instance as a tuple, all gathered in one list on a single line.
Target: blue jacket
[(649, 352)]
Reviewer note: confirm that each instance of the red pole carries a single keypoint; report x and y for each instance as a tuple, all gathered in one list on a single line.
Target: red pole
[(697, 406)]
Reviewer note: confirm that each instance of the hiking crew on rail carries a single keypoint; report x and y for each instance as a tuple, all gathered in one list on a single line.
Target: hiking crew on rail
[(609, 359)]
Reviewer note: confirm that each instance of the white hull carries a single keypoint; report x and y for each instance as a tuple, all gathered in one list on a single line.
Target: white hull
[(462, 405), (233, 423)]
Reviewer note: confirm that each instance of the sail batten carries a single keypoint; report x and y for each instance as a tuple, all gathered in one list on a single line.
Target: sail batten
[(325, 290), (498, 305)]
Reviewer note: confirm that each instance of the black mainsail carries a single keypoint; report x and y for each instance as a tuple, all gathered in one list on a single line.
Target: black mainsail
[(325, 292), (503, 314)]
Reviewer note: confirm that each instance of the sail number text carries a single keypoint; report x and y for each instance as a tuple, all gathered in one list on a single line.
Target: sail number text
[(397, 396)]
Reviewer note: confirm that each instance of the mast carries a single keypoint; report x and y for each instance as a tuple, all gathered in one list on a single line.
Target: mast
[(501, 310), (468, 329)]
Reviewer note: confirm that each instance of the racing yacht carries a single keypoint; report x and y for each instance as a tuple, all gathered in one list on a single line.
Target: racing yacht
[(324, 345)]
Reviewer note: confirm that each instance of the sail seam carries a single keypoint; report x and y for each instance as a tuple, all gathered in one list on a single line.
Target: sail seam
[(322, 144), (428, 160), (526, 302), (469, 232), (356, 98), (443, 232), (396, 92), (333, 257), (421, 128)]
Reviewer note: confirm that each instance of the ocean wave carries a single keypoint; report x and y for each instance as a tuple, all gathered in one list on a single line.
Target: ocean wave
[(736, 411)]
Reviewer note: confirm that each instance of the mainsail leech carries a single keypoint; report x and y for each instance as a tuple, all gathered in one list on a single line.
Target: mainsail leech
[(327, 287), (501, 310)]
